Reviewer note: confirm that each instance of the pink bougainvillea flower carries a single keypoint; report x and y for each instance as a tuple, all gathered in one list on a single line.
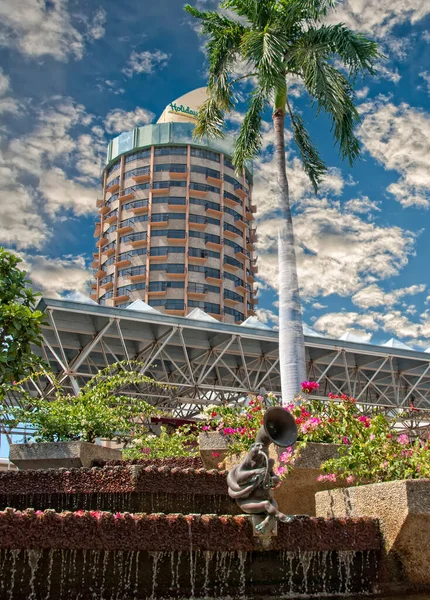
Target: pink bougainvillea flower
[(281, 470), (215, 454), (350, 479), (403, 439), (309, 386), (345, 440), (117, 515), (329, 477), (206, 428), (365, 420)]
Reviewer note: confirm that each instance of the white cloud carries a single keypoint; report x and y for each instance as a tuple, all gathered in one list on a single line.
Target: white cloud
[(373, 295), (37, 28), (55, 276), (362, 205), (337, 252), (379, 17), (33, 179), (119, 120), (336, 324), (426, 76), (62, 193), (8, 104), (145, 62), (398, 137)]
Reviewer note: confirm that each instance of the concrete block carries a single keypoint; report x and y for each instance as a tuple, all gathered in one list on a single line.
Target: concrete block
[(56, 455)]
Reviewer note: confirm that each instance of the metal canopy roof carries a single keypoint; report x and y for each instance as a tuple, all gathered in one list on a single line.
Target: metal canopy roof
[(216, 362)]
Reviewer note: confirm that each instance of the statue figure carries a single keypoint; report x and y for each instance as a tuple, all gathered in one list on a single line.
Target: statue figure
[(251, 482)]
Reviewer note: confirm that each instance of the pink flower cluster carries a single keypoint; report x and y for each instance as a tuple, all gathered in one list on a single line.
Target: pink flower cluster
[(309, 386), (365, 420), (329, 477), (310, 425), (403, 439), (232, 430)]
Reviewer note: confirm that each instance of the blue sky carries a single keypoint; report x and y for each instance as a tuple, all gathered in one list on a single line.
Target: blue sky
[(76, 73)]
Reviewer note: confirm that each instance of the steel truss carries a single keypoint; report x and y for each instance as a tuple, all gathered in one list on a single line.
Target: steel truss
[(211, 363)]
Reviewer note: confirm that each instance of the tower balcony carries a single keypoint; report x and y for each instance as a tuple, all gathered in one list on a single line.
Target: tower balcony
[(158, 258), (239, 222), (126, 262), (137, 278), (125, 229), (112, 187), (232, 235), (138, 243), (197, 226), (213, 180), (109, 251), (175, 311), (197, 260), (240, 192), (111, 219), (213, 245), (99, 202), (104, 209), (102, 242), (121, 299), (213, 212), (126, 197), (230, 268), (178, 174), (230, 302), (100, 273), (107, 286), (157, 293), (160, 191), (142, 178), (140, 210), (231, 203), (177, 241)]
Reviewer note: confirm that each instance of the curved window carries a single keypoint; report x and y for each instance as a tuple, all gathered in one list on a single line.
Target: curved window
[(137, 155), (171, 168), (233, 213), (203, 220), (133, 237), (134, 204), (132, 271), (107, 279), (202, 253), (113, 182), (170, 233), (234, 182), (113, 168), (202, 288), (162, 286), (233, 296), (238, 316), (205, 171), (126, 289), (203, 187), (171, 150), (208, 154), (232, 228), (164, 250), (233, 262), (109, 261), (236, 247), (208, 307), (167, 216), (233, 197), (130, 253), (136, 172)]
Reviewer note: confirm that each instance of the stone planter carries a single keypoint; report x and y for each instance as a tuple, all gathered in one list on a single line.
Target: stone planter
[(403, 509), (296, 494), (56, 455), (213, 446)]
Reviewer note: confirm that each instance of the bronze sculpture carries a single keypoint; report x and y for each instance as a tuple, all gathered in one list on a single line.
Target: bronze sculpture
[(251, 482)]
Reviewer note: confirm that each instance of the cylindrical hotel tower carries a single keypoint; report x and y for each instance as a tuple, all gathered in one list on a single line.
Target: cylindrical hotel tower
[(176, 224)]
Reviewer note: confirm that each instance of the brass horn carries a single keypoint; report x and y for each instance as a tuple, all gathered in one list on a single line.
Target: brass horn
[(279, 426)]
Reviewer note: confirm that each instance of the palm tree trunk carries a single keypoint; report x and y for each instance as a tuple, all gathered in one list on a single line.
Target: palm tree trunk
[(292, 360)]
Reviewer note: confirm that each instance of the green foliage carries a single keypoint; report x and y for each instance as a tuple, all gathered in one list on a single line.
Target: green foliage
[(273, 40), (100, 410), (182, 442), (20, 324)]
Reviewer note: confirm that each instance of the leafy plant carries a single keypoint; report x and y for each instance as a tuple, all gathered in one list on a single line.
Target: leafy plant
[(182, 442), (99, 410), (20, 324)]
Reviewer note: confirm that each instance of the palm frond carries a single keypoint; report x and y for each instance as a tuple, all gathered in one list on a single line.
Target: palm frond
[(265, 51), (333, 93), (210, 120), (257, 12), (313, 164), (249, 140), (357, 52), (305, 10)]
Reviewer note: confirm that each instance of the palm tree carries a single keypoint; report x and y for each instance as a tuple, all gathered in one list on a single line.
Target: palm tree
[(274, 40)]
